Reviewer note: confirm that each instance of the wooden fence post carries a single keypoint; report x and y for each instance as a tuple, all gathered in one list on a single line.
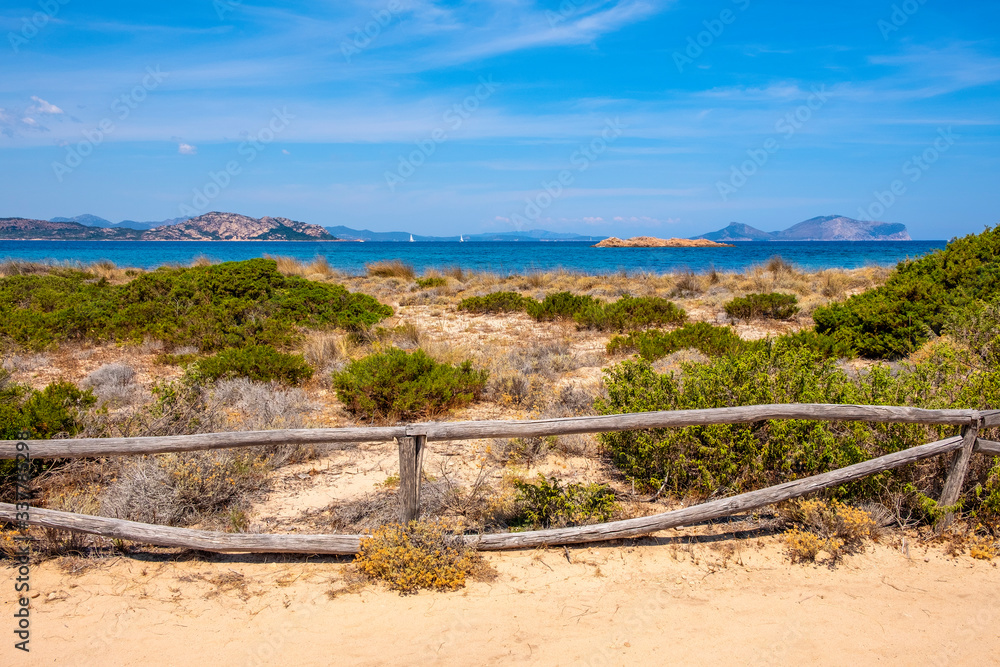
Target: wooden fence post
[(411, 457), (956, 474)]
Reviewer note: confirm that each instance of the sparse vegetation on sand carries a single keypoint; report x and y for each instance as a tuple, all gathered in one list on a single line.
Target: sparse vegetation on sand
[(282, 343)]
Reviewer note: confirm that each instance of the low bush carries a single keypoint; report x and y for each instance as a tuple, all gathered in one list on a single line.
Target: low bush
[(549, 504), (29, 414), (260, 363), (708, 339), (832, 527), (774, 306), (419, 555), (625, 314), (561, 305), (706, 460), (631, 313), (431, 281), (396, 385), (218, 306), (497, 302), (917, 300)]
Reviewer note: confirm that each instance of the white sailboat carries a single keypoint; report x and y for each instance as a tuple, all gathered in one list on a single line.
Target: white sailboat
[(461, 239), (411, 238)]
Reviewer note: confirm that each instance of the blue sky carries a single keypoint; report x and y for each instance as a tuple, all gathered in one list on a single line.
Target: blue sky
[(600, 117)]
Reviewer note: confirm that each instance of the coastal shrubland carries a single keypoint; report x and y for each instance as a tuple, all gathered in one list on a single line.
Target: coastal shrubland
[(484, 346), (626, 314), (212, 307), (918, 299), (772, 305), (395, 385), (739, 457)]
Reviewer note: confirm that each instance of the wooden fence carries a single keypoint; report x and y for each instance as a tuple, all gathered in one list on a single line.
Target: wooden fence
[(413, 440)]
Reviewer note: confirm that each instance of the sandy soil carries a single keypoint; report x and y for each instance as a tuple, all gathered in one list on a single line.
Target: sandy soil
[(731, 601)]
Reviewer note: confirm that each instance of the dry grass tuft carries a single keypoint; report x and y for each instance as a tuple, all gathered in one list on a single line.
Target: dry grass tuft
[(390, 268)]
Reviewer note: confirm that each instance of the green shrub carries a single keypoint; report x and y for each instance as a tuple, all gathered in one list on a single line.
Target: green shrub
[(918, 298), (774, 305), (41, 414), (561, 305), (223, 305), (739, 457), (395, 385), (708, 339), (548, 504), (497, 302), (260, 363), (28, 414), (431, 281), (630, 313)]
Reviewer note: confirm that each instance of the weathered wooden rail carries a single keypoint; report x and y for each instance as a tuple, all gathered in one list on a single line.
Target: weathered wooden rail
[(412, 441)]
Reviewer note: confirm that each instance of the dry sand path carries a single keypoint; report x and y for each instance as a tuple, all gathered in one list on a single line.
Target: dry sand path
[(663, 603)]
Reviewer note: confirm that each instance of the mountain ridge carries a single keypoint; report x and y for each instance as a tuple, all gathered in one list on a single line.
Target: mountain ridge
[(820, 228)]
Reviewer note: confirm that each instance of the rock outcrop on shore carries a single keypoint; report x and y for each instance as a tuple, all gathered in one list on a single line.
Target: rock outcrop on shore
[(653, 242)]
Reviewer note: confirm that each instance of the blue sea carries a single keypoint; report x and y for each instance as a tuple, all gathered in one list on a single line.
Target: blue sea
[(502, 258)]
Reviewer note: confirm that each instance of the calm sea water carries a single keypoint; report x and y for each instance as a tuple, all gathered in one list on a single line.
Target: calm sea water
[(499, 257)]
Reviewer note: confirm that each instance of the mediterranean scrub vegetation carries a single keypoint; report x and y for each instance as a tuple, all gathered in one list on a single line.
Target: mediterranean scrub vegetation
[(626, 314), (214, 307), (268, 344), (918, 300), (396, 385)]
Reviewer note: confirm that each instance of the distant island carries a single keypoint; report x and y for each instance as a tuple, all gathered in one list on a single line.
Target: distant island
[(822, 228), (214, 226), (219, 226), (653, 242)]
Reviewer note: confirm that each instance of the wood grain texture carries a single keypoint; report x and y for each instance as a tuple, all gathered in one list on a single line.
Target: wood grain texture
[(678, 418), (988, 447), (991, 418), (349, 544), (411, 457), (716, 508), (168, 536), (81, 447), (952, 490)]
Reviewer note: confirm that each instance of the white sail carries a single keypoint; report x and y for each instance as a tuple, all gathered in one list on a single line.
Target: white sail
[(411, 238)]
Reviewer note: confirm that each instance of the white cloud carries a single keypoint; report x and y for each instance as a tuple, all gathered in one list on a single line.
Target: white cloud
[(41, 106), (187, 149), (285, 151)]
